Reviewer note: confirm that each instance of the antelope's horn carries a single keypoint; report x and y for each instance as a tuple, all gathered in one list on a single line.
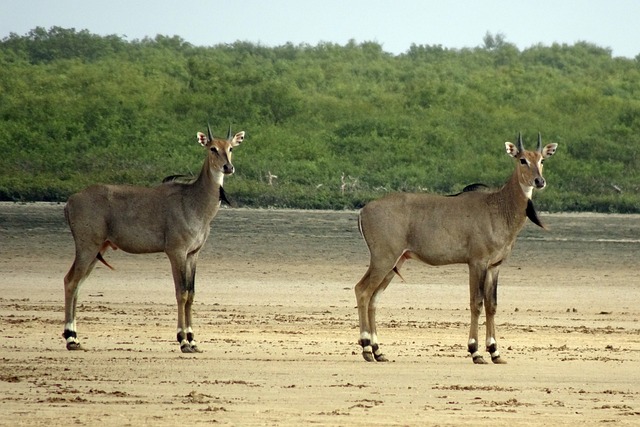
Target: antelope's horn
[(209, 132), (539, 149), (229, 133), (520, 146)]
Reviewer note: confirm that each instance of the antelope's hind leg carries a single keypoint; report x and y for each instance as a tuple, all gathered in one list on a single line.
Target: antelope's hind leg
[(367, 291), (80, 269), (362, 299), (375, 343)]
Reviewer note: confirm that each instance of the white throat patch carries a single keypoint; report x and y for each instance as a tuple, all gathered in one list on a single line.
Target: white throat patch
[(527, 190), (218, 177)]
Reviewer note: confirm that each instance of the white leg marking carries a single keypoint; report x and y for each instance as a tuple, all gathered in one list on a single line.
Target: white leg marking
[(71, 326)]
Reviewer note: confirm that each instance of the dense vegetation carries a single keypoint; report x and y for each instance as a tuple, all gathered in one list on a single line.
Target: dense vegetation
[(338, 125)]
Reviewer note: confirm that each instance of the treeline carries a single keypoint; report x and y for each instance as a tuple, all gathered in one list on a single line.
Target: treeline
[(328, 126)]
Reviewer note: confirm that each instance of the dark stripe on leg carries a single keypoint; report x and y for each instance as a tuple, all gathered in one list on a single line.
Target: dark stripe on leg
[(367, 351), (364, 342), (378, 354)]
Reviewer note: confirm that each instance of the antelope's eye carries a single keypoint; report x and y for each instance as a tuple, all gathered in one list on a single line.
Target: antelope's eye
[(231, 149), (523, 161), (214, 150)]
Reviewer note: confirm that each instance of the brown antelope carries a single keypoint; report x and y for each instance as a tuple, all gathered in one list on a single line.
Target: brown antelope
[(173, 218), (477, 228)]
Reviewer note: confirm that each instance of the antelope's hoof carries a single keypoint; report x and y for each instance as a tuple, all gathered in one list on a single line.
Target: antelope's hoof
[(74, 345), (368, 356), (498, 360), (479, 360), (190, 348), (186, 348), (381, 358)]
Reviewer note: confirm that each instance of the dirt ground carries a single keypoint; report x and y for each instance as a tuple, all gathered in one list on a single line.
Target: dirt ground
[(276, 318)]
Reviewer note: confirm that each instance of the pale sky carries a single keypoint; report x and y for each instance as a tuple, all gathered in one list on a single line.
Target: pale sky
[(395, 24)]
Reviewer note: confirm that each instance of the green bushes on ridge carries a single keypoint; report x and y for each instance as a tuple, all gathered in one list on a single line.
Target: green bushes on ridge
[(338, 125)]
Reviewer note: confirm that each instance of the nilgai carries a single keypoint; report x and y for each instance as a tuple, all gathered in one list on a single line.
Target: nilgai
[(476, 227), (173, 218)]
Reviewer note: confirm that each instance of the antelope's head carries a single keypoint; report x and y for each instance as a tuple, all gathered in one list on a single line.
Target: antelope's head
[(530, 163), (220, 150)]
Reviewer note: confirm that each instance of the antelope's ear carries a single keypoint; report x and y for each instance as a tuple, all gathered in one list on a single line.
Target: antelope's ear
[(512, 150), (237, 139), (202, 139), (549, 150)]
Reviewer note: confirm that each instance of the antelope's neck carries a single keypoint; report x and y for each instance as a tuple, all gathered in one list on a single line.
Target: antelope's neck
[(210, 178), (207, 187), (513, 201)]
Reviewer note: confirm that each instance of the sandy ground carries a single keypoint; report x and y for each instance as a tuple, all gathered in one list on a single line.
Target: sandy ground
[(276, 318)]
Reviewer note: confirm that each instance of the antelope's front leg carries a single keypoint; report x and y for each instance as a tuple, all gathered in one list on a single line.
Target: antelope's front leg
[(182, 331), (193, 346), (188, 317), (476, 297), (491, 307), (184, 294)]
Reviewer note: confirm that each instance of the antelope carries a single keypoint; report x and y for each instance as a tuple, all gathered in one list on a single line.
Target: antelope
[(477, 227), (173, 218)]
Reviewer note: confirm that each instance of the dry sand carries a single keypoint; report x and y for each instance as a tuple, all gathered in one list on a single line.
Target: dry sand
[(276, 318)]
